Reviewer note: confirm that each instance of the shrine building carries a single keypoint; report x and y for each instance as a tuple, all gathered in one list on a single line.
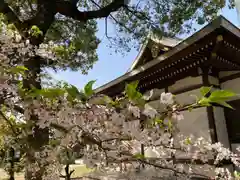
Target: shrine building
[(210, 57)]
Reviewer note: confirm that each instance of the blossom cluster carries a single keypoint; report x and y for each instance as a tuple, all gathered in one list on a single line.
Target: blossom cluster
[(124, 138)]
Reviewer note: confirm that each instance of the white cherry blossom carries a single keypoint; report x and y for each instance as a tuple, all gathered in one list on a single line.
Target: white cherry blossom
[(177, 116), (134, 110), (166, 98), (149, 111)]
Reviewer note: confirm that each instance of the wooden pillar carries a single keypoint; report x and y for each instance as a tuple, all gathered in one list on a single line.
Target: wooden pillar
[(210, 114)]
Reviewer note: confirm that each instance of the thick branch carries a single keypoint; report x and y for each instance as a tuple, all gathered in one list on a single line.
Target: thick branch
[(11, 16), (70, 10), (5, 9), (160, 166), (173, 170)]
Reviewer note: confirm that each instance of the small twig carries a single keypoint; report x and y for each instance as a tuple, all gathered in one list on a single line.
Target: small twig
[(30, 4), (106, 28), (72, 171), (8, 122), (116, 21)]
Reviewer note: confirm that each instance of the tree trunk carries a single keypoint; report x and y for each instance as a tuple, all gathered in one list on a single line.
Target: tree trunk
[(39, 137), (11, 161), (35, 140)]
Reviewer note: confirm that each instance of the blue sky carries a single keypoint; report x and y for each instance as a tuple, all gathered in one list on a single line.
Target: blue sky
[(111, 65)]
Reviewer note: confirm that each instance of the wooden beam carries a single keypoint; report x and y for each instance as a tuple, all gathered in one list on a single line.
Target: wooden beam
[(230, 77)]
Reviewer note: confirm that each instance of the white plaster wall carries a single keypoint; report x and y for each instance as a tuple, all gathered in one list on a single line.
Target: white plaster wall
[(157, 105), (221, 126), (186, 82), (195, 123), (188, 97), (153, 94), (227, 73), (213, 80), (233, 84)]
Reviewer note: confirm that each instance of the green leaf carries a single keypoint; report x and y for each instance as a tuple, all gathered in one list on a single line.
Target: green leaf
[(204, 102), (51, 93), (23, 68), (82, 96), (18, 70), (108, 99), (237, 175), (88, 89), (223, 103), (158, 121), (35, 31), (104, 100), (72, 91), (131, 91), (205, 90), (187, 141), (217, 96), (134, 84), (139, 156), (170, 125), (221, 95), (46, 92), (11, 27)]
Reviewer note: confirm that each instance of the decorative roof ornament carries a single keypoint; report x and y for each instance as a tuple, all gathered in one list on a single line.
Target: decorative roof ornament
[(155, 43), (155, 50)]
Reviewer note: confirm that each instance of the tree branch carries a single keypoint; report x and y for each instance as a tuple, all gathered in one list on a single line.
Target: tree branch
[(11, 16), (70, 9), (15, 107), (4, 8), (172, 169), (159, 166), (9, 123)]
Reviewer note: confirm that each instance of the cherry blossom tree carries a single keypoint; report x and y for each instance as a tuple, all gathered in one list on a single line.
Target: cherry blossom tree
[(110, 135)]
